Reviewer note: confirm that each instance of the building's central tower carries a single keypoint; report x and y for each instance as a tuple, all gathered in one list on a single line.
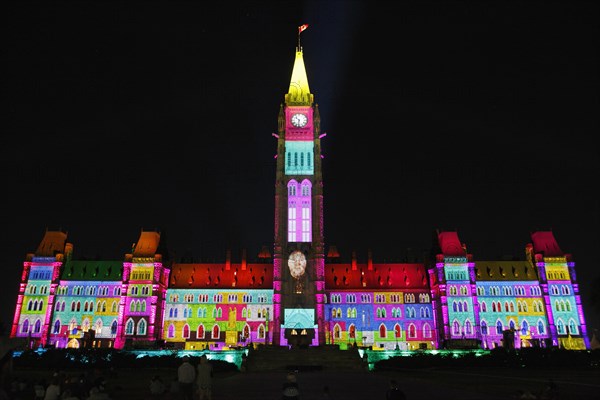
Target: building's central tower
[(299, 259)]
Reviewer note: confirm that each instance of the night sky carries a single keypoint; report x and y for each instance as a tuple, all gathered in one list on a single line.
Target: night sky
[(478, 117)]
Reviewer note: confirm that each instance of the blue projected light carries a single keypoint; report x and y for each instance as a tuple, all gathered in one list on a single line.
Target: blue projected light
[(299, 318), (299, 158)]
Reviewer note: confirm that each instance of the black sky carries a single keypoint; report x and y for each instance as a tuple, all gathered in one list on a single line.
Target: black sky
[(478, 117)]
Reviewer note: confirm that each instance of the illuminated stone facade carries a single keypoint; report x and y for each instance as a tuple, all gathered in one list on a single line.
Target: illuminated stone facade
[(298, 294)]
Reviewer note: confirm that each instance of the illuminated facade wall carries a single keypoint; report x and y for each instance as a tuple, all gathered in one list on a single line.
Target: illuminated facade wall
[(452, 301)]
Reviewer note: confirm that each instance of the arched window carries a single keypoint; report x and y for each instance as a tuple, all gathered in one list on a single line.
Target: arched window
[(141, 328), (129, 327), (171, 331), (25, 327), (560, 327), (261, 331), (484, 328), (56, 327), (524, 328), (499, 327), (468, 328), (352, 331), (397, 331), (186, 331), (412, 331), (541, 327), (200, 332), (455, 327), (215, 331), (113, 328), (573, 329), (337, 331), (426, 331), (382, 331)]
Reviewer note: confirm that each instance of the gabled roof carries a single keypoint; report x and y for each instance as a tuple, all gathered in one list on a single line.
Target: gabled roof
[(505, 271), (544, 242), (52, 244), (393, 276), (216, 276), (450, 244), (83, 270)]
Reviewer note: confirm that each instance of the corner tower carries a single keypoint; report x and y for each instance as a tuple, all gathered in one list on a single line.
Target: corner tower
[(299, 259)]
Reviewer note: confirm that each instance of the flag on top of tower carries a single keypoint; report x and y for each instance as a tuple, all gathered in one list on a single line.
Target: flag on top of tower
[(302, 28)]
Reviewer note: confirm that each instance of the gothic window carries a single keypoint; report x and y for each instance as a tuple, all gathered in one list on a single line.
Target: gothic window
[(412, 331), (261, 331), (427, 331), (37, 327), (352, 331), (171, 331), (113, 328), (215, 332), (382, 331), (524, 327), (511, 324), (129, 327), (456, 328), (483, 307), (573, 330), (186, 331), (484, 328), (337, 331), (468, 328), (499, 327), (56, 327), (25, 327), (200, 332), (560, 327)]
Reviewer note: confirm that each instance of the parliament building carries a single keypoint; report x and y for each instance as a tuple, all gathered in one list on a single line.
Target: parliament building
[(299, 292)]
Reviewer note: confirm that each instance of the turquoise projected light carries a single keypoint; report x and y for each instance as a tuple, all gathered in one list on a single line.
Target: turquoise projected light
[(299, 158)]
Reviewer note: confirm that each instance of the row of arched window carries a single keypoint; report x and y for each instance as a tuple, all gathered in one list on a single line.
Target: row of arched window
[(88, 290), (411, 332), (379, 298), (560, 289), (381, 312), (215, 332), (40, 275), (508, 290), (32, 289)]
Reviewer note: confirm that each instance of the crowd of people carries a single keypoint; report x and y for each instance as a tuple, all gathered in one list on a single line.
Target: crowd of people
[(60, 386)]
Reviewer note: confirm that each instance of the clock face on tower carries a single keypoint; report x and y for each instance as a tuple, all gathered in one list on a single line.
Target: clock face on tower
[(299, 120), (297, 264)]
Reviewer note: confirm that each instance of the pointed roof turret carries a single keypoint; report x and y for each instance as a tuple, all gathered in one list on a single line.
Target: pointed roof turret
[(299, 92)]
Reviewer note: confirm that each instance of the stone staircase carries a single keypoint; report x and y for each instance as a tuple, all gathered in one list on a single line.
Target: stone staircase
[(280, 358)]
